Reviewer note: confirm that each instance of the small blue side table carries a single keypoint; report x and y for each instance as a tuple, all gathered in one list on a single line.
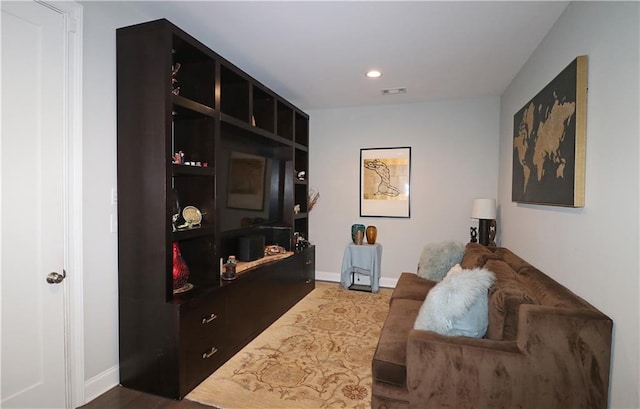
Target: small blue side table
[(364, 259)]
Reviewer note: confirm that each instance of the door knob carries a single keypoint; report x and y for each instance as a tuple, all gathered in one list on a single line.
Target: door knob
[(55, 278)]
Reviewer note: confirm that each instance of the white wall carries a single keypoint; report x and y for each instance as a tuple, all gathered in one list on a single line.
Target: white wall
[(454, 159), (99, 172), (594, 250)]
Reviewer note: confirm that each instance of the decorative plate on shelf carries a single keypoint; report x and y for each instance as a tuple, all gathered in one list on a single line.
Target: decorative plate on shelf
[(192, 215)]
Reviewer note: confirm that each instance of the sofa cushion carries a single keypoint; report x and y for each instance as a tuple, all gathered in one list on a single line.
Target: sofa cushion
[(458, 304), (387, 396), (505, 298), (504, 310), (475, 255), (437, 258), (390, 359), (503, 272), (411, 287)]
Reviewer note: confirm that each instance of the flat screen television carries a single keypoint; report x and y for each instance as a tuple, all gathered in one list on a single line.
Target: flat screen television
[(250, 190)]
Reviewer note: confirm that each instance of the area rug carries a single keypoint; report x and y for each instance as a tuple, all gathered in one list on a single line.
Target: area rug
[(317, 355)]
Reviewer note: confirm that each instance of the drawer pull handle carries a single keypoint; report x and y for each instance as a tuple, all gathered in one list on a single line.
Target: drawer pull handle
[(208, 319), (308, 262), (209, 353), (308, 281)]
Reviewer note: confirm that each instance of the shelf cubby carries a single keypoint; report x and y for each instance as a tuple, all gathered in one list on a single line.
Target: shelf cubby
[(197, 72), (263, 110), (198, 254), (234, 94), (194, 136), (301, 198), (301, 225), (285, 121), (301, 158), (196, 191), (302, 129)]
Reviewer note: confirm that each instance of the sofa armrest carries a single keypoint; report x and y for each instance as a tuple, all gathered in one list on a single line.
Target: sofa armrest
[(462, 372), (561, 358), (571, 348)]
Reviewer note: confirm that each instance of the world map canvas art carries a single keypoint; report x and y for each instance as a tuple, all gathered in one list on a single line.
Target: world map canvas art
[(549, 137)]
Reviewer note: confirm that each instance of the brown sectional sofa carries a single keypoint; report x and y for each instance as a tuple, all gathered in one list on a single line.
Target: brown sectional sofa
[(544, 348)]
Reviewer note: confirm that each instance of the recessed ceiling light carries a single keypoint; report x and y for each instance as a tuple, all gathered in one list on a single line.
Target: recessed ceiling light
[(373, 74)]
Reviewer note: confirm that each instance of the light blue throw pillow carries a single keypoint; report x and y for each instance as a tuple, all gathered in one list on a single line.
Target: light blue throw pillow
[(437, 258), (458, 305)]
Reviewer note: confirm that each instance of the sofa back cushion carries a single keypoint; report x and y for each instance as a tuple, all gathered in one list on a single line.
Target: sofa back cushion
[(476, 255), (511, 258), (548, 291)]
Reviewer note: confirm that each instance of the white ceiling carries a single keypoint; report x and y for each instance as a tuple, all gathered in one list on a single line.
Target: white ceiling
[(315, 54)]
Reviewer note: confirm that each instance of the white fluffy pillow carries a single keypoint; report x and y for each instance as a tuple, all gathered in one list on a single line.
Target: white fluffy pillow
[(438, 258), (458, 305)]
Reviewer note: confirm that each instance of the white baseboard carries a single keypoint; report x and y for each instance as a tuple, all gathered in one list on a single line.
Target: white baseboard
[(387, 282), (101, 383)]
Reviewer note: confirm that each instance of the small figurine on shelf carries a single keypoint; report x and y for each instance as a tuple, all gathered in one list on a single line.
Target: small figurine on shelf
[(301, 175), (300, 242), (230, 269), (296, 209), (178, 158), (174, 81), (474, 235)]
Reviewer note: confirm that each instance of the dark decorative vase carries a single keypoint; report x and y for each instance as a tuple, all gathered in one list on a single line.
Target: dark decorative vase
[(354, 229), (372, 233), (180, 269)]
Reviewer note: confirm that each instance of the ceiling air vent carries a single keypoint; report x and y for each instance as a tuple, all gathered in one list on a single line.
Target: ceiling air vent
[(394, 91)]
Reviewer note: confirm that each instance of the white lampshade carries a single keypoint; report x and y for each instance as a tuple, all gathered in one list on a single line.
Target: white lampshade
[(483, 209)]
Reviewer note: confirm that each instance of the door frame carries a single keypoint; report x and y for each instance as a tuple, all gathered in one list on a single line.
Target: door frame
[(72, 13)]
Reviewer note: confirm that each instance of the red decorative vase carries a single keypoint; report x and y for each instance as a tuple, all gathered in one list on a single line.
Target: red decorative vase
[(180, 269)]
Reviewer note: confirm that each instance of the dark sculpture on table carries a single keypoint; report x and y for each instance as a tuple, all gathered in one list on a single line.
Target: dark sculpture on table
[(493, 227)]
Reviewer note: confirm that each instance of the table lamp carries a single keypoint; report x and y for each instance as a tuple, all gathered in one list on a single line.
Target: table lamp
[(485, 211)]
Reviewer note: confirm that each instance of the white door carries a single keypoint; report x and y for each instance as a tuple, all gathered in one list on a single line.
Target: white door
[(32, 206)]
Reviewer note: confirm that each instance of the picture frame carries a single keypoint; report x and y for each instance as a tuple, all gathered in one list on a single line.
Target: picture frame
[(549, 142), (246, 184), (385, 182)]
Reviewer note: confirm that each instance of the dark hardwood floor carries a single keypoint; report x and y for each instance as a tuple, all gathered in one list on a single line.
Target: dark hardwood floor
[(123, 398)]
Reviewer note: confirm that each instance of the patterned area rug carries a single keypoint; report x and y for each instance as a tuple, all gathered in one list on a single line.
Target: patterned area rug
[(317, 355)]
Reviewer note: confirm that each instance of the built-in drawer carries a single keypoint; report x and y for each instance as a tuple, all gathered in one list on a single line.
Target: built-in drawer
[(309, 265), (202, 361), (205, 320), (202, 339)]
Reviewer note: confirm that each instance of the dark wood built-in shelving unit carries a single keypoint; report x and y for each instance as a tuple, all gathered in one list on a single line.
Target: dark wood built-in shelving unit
[(171, 342)]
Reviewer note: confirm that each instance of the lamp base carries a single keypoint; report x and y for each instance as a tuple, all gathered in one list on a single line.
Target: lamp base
[(483, 226)]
